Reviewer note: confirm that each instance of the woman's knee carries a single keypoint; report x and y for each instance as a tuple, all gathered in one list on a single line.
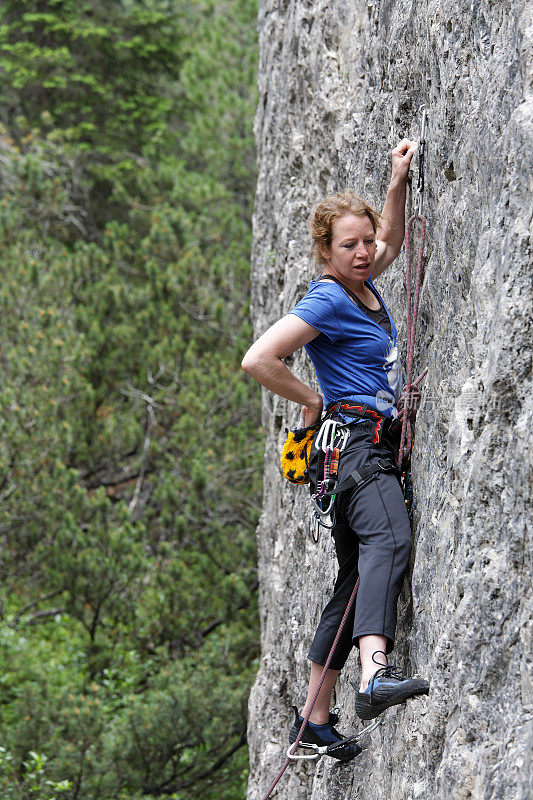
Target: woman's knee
[(402, 544)]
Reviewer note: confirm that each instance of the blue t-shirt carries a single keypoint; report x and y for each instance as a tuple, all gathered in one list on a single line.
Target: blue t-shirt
[(354, 357)]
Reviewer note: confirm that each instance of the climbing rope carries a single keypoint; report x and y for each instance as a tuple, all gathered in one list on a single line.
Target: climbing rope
[(318, 688), (408, 409)]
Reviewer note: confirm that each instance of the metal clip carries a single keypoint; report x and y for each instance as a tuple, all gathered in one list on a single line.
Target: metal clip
[(318, 752), (344, 435), (355, 738), (373, 725), (327, 749), (326, 435), (323, 512), (421, 156), (315, 533)]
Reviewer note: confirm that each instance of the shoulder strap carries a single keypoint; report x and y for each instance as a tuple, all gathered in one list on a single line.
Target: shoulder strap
[(336, 280), (349, 292)]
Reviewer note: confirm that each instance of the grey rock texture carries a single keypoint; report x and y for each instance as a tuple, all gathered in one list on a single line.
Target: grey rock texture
[(340, 83)]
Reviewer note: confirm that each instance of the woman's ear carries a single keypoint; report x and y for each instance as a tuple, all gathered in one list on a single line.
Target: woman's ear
[(324, 251)]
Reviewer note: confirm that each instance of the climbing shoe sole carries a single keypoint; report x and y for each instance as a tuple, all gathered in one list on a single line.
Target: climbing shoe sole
[(367, 707)]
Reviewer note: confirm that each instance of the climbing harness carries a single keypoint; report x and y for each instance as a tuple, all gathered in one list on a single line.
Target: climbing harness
[(330, 442)]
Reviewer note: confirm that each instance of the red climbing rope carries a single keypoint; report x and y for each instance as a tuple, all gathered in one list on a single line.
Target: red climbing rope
[(318, 688), (408, 401), (409, 406)]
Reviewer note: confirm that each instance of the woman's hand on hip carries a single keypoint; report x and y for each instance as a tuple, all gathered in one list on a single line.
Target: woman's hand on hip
[(311, 414)]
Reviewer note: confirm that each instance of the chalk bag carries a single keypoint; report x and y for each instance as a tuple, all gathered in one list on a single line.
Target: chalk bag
[(296, 452)]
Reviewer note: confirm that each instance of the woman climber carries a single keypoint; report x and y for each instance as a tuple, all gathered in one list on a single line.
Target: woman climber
[(352, 341)]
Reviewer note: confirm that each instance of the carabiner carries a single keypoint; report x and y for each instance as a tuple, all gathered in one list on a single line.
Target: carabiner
[(323, 512), (328, 749), (326, 435), (318, 752), (421, 156), (315, 533), (344, 435)]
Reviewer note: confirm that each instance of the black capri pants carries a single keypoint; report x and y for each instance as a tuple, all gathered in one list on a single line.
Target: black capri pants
[(372, 537)]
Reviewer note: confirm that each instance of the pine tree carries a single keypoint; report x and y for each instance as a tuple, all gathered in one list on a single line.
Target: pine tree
[(129, 451)]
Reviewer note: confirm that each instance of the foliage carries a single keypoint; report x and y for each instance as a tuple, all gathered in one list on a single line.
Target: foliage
[(90, 63), (129, 445), (34, 779)]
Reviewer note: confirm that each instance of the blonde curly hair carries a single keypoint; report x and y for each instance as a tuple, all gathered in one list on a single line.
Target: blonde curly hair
[(332, 208)]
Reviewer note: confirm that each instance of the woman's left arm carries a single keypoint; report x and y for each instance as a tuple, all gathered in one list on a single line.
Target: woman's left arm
[(392, 231)]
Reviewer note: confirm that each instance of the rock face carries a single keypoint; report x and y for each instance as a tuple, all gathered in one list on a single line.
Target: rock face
[(340, 84)]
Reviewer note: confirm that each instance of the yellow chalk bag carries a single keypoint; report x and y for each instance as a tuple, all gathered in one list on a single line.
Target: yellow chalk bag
[(296, 453)]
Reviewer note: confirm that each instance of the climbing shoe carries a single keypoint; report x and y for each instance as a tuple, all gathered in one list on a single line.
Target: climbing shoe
[(388, 687), (324, 736)]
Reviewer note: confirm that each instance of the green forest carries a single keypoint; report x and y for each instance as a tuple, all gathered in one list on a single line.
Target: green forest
[(130, 447)]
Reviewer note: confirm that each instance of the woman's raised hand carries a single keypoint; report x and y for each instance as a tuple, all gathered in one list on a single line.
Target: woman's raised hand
[(401, 158)]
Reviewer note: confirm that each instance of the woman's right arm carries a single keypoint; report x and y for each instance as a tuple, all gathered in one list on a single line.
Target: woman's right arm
[(264, 362)]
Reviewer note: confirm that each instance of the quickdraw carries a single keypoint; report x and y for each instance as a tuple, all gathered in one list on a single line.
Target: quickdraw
[(412, 311), (330, 441)]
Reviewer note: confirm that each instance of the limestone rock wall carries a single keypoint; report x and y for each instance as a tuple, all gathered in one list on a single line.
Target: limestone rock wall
[(341, 81)]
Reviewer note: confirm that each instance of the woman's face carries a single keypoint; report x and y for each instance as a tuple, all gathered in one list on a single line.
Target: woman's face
[(352, 251)]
